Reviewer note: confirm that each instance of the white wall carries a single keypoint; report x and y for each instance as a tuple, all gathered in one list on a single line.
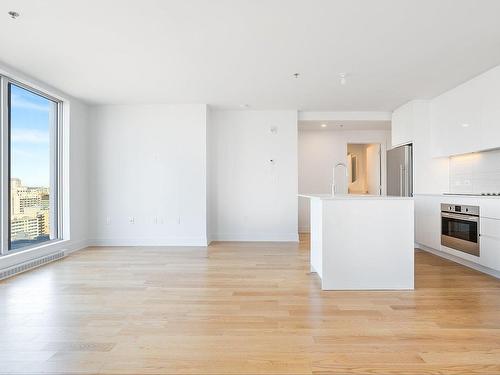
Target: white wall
[(78, 174), (319, 151), (210, 144), (252, 198), (148, 162), (190, 174)]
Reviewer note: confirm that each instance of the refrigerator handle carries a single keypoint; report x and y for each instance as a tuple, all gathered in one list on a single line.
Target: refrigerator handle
[(407, 184), (401, 182)]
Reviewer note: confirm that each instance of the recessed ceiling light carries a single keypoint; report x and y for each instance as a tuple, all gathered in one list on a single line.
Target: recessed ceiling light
[(13, 14), (465, 125), (323, 125), (343, 78)]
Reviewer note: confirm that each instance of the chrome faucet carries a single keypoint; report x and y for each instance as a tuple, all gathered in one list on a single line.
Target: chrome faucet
[(334, 187)]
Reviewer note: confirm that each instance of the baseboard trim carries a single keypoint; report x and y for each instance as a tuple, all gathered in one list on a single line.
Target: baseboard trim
[(148, 242), (67, 246), (255, 237), (463, 262), (74, 246)]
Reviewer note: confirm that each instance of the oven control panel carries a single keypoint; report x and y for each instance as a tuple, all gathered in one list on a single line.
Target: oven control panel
[(460, 209)]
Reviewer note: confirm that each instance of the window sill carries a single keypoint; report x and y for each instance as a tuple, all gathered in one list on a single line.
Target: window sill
[(14, 258), (27, 249)]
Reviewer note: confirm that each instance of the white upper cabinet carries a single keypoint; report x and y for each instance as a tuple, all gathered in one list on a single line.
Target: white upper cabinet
[(490, 109), (467, 118), (456, 120), (402, 125)]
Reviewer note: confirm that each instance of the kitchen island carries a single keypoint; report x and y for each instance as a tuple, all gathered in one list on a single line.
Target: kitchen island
[(362, 242)]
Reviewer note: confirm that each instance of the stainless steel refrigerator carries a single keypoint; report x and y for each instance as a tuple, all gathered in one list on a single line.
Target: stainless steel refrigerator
[(400, 171)]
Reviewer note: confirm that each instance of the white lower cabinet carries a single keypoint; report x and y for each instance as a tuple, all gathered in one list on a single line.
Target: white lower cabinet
[(428, 221), (428, 226), (490, 243), (490, 208)]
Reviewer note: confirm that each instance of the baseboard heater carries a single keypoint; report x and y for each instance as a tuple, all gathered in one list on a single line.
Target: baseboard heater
[(30, 264)]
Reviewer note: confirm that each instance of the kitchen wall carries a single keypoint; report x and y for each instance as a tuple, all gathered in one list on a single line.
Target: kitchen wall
[(320, 150), (148, 175), (253, 175), (475, 173)]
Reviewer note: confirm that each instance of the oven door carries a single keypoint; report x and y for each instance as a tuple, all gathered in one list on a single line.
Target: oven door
[(460, 232)]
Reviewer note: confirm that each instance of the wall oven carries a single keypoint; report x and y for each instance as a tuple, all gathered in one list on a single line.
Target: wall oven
[(460, 228)]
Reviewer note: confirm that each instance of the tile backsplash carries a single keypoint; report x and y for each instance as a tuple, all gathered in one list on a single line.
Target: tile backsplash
[(475, 173)]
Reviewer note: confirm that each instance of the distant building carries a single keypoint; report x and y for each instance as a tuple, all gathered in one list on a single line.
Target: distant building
[(30, 207), (24, 227)]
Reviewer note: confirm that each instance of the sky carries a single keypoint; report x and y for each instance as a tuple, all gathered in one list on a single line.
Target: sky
[(29, 127)]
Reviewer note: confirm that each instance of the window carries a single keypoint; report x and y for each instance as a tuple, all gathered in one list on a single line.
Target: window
[(30, 153)]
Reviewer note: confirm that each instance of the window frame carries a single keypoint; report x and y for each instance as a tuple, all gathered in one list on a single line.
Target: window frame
[(56, 160)]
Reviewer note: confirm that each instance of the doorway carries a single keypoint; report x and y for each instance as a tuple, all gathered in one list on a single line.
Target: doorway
[(364, 171)]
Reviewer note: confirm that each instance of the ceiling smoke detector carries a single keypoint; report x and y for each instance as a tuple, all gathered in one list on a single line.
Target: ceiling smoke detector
[(323, 125), (13, 14), (343, 78)]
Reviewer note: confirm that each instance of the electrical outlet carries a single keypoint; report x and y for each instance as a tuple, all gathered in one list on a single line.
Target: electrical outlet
[(131, 220)]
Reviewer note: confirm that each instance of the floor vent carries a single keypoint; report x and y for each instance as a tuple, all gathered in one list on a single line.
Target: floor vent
[(26, 266)]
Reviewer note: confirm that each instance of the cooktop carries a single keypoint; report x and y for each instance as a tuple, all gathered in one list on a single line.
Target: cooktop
[(493, 194)]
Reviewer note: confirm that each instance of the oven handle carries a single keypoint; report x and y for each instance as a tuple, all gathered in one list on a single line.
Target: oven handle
[(473, 219)]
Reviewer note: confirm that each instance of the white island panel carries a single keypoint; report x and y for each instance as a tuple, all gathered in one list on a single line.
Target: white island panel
[(368, 244), (362, 242), (316, 236)]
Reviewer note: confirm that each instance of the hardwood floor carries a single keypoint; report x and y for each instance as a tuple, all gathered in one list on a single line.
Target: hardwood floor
[(241, 308)]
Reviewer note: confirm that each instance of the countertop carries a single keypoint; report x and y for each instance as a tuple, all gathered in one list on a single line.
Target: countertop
[(458, 195), (353, 197)]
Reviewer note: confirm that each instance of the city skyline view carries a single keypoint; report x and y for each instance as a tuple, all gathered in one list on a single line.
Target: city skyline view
[(29, 214), (31, 119)]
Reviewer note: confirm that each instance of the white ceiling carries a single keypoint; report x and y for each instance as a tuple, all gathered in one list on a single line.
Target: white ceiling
[(344, 125), (232, 52)]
